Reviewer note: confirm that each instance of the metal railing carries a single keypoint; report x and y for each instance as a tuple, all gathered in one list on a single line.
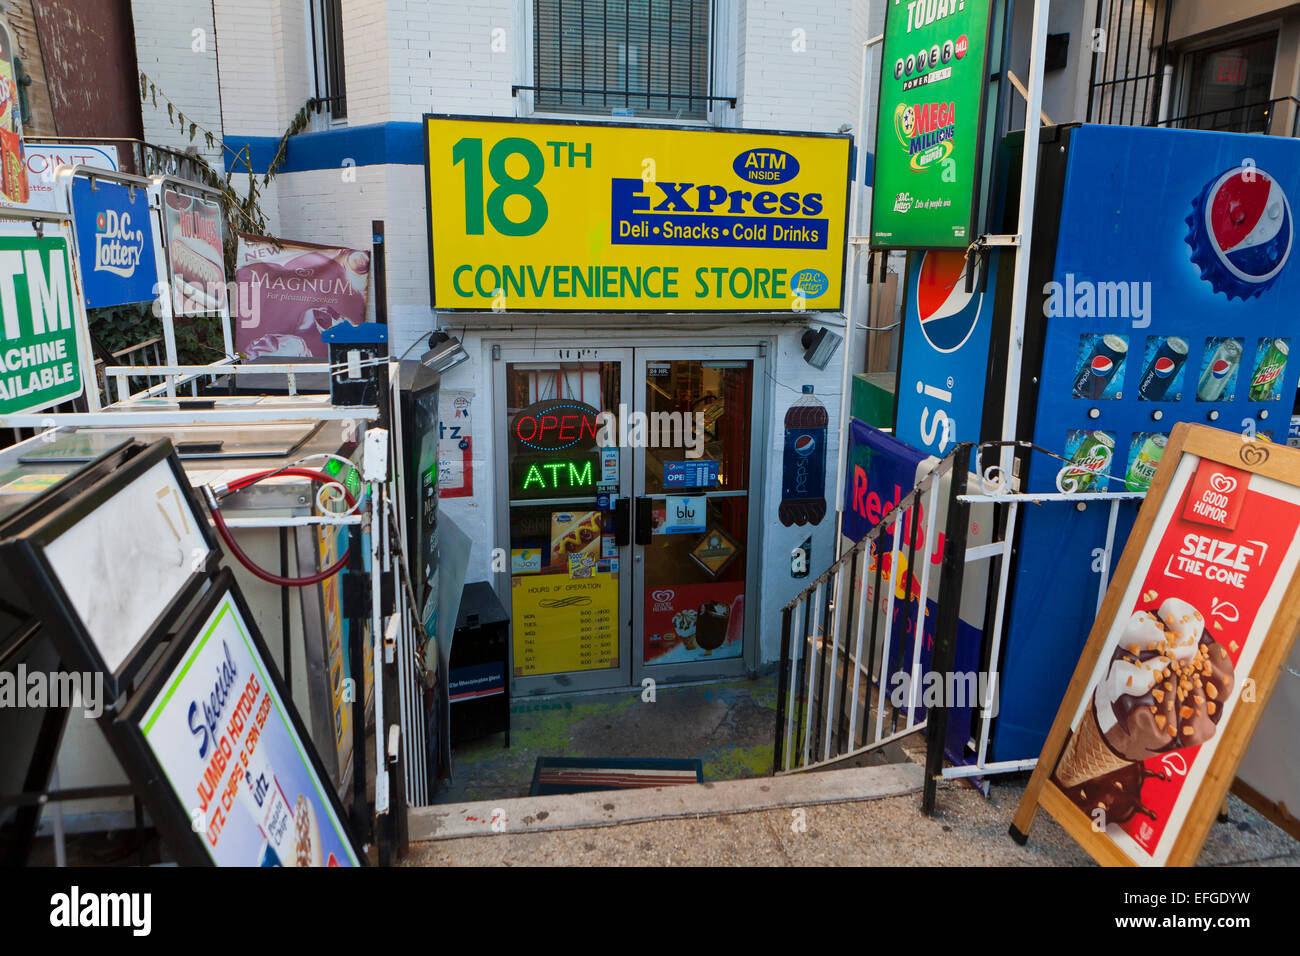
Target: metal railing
[(852, 658), (1259, 117), (135, 156)]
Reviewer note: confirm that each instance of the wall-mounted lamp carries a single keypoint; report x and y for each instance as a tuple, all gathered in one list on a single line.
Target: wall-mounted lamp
[(445, 353), (819, 345)]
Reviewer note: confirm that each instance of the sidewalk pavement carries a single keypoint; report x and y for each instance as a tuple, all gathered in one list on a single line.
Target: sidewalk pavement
[(967, 830)]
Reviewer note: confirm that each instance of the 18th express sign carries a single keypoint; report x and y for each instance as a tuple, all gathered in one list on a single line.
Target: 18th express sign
[(932, 82), (590, 218), (39, 361)]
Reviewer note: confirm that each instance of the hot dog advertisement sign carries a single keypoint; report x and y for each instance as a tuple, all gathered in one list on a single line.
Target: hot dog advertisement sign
[(194, 236), (583, 217), (1179, 665)]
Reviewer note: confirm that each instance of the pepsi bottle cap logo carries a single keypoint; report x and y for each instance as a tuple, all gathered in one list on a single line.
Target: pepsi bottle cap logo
[(1241, 232), (804, 445)]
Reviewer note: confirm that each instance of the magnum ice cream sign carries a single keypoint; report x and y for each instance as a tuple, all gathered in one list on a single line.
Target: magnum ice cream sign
[(290, 292), (194, 251)]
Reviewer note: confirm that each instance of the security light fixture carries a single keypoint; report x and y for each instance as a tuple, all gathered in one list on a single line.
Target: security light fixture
[(445, 353), (819, 345)]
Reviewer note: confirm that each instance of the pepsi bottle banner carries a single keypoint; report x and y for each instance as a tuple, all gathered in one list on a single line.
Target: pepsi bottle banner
[(115, 243), (1171, 298), (933, 76), (945, 351)]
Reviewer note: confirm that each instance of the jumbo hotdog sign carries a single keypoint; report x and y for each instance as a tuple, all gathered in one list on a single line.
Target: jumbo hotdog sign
[(194, 252)]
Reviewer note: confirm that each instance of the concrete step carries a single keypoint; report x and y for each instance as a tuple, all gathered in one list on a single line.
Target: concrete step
[(614, 807)]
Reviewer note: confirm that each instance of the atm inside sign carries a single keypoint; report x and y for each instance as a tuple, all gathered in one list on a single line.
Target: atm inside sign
[(39, 362)]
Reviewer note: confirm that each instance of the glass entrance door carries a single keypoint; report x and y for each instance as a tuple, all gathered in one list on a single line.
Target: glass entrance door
[(630, 488), (697, 480), (566, 520)]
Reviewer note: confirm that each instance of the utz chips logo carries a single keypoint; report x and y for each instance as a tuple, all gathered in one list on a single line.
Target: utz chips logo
[(926, 131), (117, 245)]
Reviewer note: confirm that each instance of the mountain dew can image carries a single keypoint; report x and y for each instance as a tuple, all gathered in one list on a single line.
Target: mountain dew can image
[(1267, 380), (1089, 455), (1143, 466)]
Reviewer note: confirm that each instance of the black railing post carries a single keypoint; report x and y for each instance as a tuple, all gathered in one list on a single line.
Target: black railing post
[(947, 620), (782, 697), (848, 661)]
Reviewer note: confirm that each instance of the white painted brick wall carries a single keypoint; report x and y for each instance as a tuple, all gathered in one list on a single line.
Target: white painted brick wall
[(165, 49), (265, 64)]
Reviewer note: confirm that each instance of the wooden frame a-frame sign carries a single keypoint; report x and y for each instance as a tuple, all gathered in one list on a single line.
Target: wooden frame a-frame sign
[(1196, 625)]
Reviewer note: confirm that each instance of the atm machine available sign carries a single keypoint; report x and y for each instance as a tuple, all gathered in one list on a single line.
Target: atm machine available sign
[(39, 362)]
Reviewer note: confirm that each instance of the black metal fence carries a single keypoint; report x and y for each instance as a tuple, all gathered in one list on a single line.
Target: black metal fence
[(853, 658)]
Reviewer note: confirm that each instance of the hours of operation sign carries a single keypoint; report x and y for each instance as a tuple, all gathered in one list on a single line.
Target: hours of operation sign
[(590, 218)]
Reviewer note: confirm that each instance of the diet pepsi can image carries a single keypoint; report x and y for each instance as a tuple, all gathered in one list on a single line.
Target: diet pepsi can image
[(803, 466), (1220, 372), (1095, 374), (1165, 368), (1089, 455), (1240, 231), (1151, 447), (1266, 383)]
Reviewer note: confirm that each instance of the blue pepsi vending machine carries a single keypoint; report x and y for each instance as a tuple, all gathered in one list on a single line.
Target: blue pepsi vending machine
[(1164, 288)]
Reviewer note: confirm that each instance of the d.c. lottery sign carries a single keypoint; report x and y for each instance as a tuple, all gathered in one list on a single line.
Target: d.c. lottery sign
[(589, 218)]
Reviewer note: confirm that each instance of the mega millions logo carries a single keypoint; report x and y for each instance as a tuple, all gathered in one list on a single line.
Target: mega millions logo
[(947, 312), (117, 246), (926, 131), (1241, 232)]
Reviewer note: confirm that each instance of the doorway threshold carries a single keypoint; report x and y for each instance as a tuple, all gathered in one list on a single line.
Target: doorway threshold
[(615, 808), (728, 725)]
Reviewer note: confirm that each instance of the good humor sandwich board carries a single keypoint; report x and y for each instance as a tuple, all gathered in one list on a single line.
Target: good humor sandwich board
[(1181, 660)]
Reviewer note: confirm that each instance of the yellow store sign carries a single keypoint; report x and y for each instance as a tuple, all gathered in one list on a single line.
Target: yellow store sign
[(578, 217)]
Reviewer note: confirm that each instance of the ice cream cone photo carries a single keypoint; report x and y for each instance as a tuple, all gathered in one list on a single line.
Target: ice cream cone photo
[(1087, 755)]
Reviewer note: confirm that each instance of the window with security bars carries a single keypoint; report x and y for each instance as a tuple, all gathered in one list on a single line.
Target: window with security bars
[(628, 57), (327, 57)]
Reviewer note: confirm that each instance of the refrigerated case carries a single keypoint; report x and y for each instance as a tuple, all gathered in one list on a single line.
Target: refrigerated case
[(308, 621), (1163, 289)]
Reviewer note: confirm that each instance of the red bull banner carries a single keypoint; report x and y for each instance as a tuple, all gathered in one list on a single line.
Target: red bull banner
[(291, 292)]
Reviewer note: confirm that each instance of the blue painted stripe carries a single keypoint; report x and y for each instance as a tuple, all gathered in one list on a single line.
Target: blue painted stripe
[(375, 144)]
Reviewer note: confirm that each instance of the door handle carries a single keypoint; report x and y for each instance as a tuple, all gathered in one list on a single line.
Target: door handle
[(643, 533), (622, 521)]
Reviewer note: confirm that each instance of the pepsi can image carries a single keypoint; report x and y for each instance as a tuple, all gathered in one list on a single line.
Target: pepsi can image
[(1165, 368), (1240, 232), (1220, 371), (1107, 357)]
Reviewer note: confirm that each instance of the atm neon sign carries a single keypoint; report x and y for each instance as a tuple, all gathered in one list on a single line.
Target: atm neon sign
[(559, 476)]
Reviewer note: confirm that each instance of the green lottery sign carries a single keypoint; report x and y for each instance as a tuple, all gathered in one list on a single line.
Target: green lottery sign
[(932, 83), (39, 362)]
